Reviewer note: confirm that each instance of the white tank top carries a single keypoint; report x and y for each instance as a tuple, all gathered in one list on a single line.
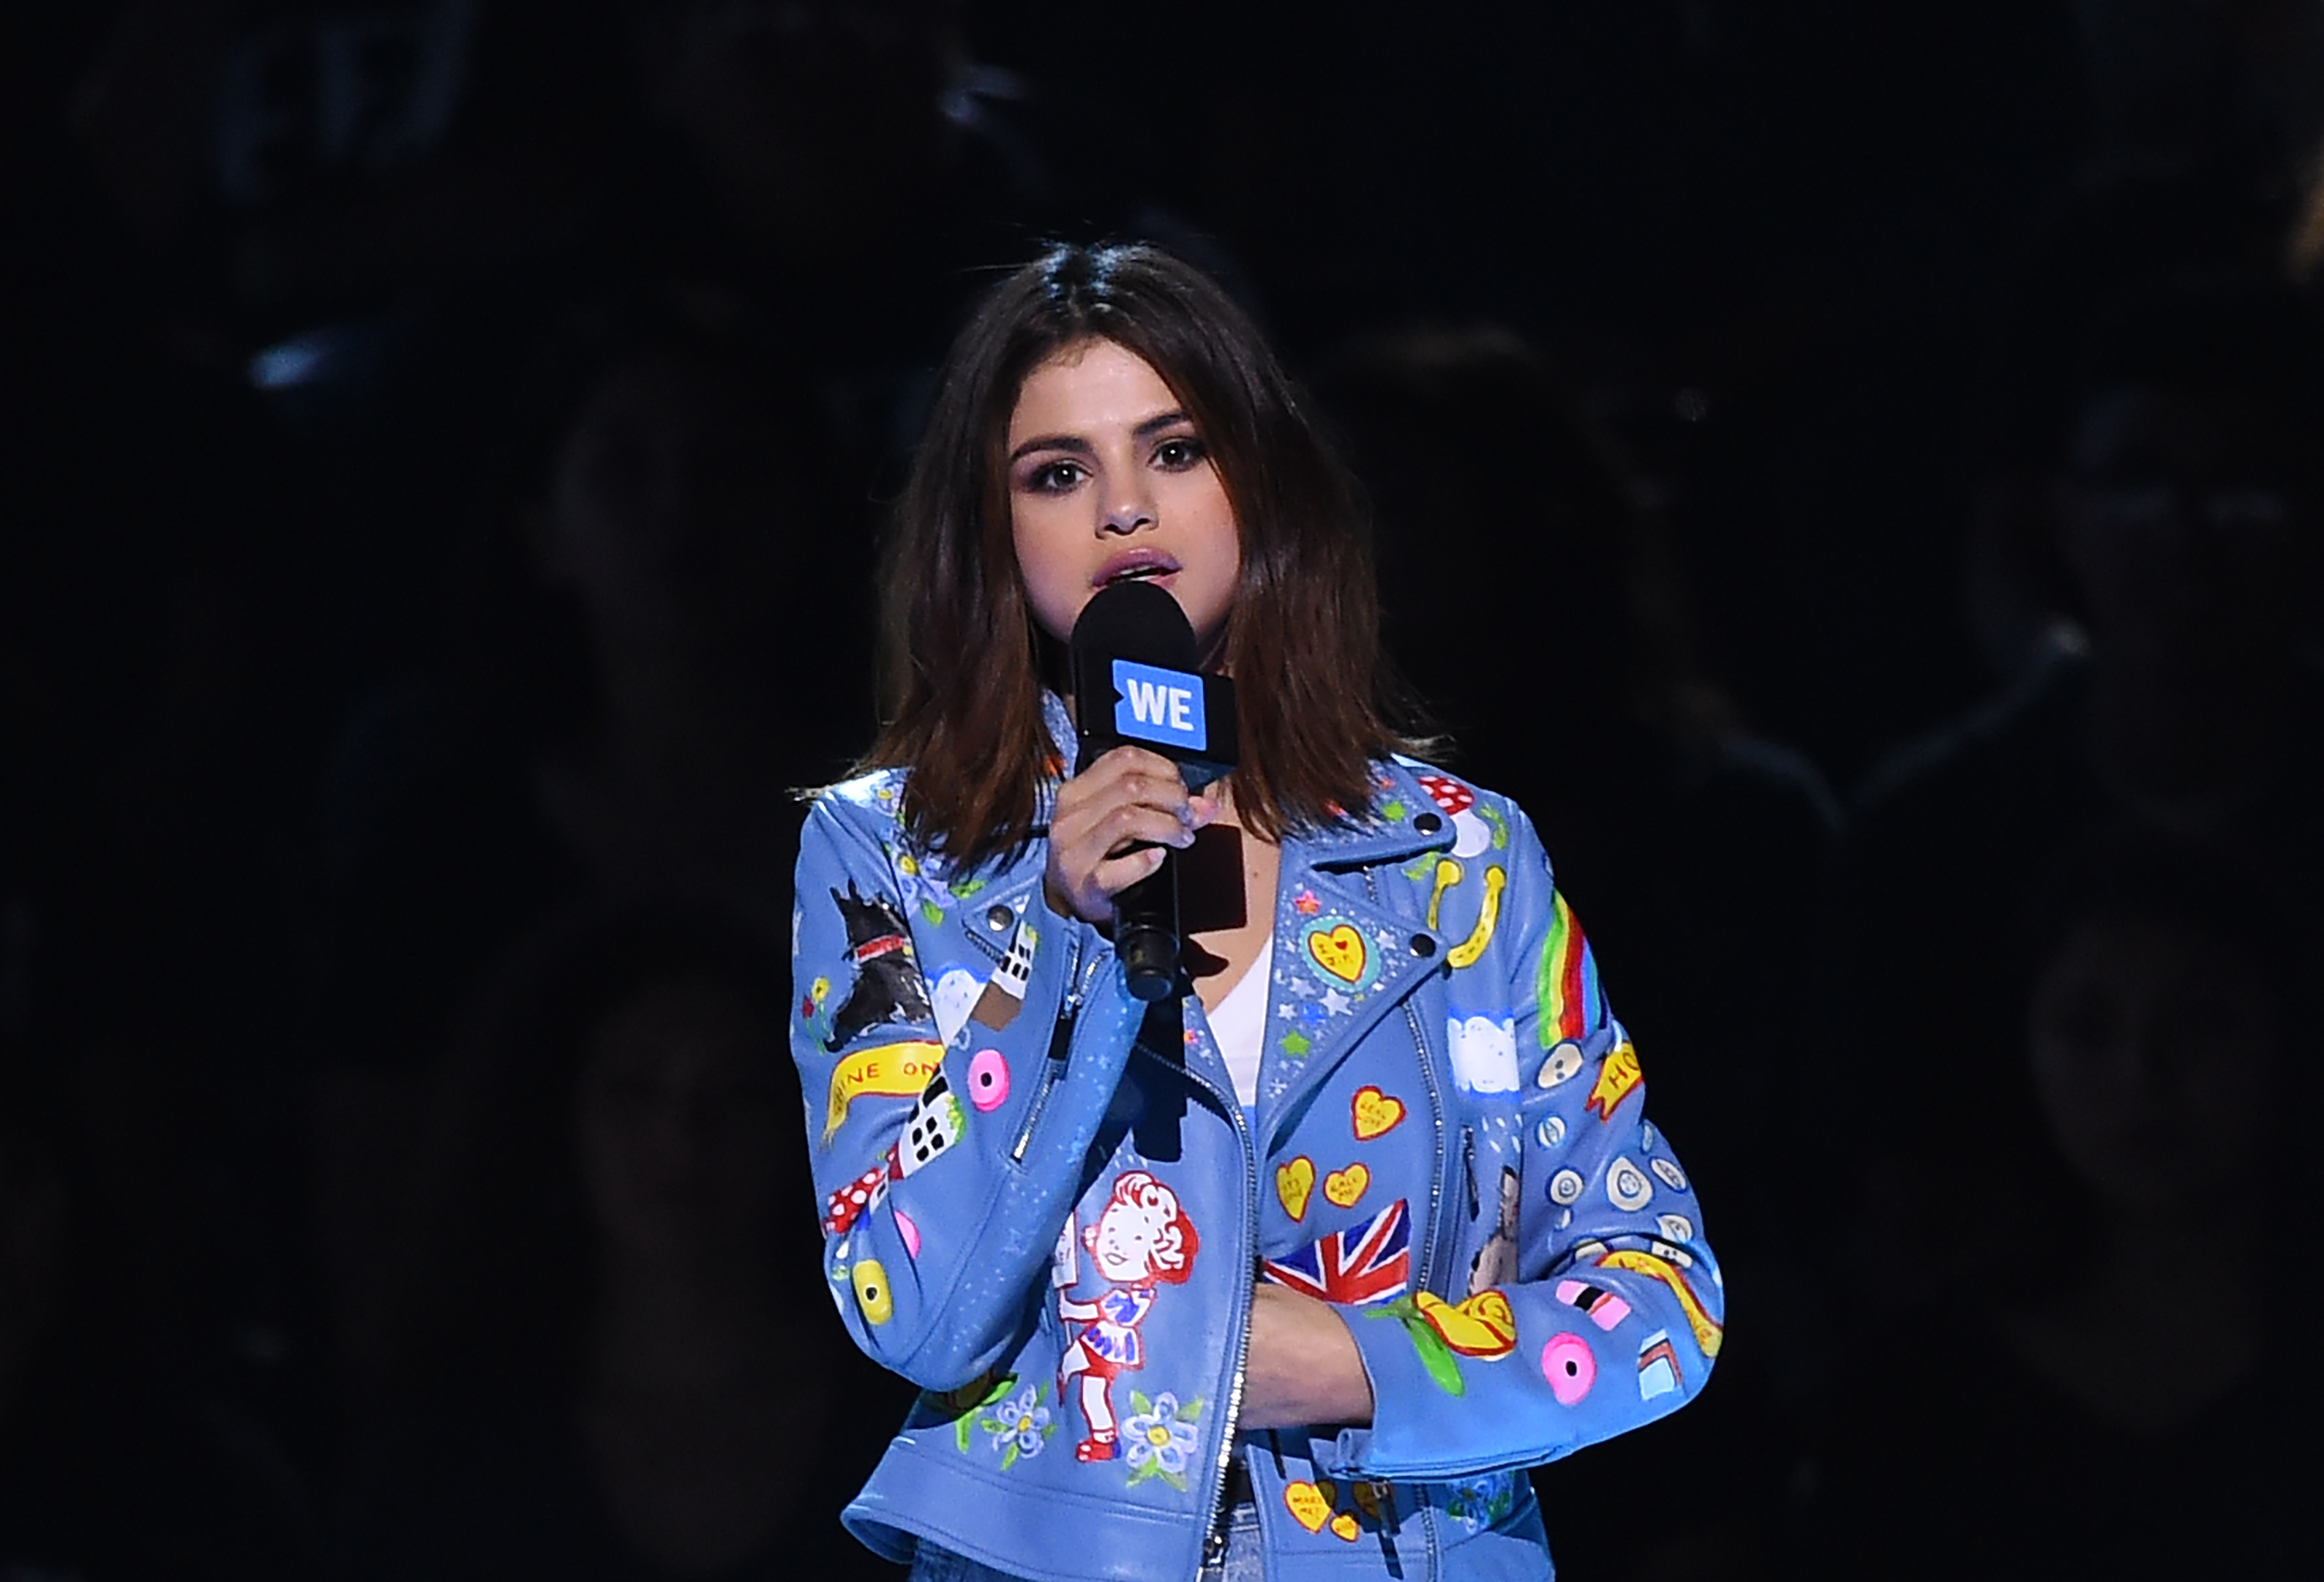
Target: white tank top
[(1240, 1024)]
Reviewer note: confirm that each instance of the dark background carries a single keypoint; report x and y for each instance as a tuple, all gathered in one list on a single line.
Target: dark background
[(446, 440)]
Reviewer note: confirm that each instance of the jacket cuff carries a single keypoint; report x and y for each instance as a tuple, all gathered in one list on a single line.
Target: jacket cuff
[(1403, 1393)]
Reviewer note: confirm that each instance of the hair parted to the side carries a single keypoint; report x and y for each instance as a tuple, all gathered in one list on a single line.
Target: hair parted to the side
[(961, 671)]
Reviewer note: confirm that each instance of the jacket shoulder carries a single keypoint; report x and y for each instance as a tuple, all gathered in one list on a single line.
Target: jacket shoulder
[(1455, 793)]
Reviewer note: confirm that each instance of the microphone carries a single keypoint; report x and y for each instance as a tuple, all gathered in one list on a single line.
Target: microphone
[(1136, 682)]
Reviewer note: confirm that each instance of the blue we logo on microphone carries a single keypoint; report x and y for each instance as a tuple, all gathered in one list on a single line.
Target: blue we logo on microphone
[(1163, 707)]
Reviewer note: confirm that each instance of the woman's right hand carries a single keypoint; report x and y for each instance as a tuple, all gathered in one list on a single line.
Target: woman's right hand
[(1127, 798)]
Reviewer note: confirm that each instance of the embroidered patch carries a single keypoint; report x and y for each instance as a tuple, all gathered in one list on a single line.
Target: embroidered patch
[(1606, 1309), (1004, 991), (937, 1122), (1342, 1188), (1626, 1187), (988, 1080), (1366, 1264), (896, 1070), (1470, 834), (1157, 1437), (1563, 1064), (1336, 949), (1570, 1000), (1292, 1183), (1466, 952), (1018, 1427), (845, 1206), (1657, 1366), (1616, 1075), (888, 986), (1569, 1366), (1707, 1331), (872, 1292), (1375, 1114), (1309, 1503), (1141, 1240), (1479, 1503), (1483, 1327), (963, 1404), (1484, 1053)]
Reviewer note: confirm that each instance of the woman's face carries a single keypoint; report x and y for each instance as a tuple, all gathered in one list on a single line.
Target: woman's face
[(1110, 479), (2154, 1046)]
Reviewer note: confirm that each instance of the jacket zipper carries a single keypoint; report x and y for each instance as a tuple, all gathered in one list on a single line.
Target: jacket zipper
[(1061, 1049), (1431, 1545), (1214, 1541)]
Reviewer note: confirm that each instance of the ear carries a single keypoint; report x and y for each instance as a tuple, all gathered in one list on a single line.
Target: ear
[(1088, 1237)]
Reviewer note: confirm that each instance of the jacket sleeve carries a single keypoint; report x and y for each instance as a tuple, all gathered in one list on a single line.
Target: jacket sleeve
[(944, 1173), (1616, 1314)]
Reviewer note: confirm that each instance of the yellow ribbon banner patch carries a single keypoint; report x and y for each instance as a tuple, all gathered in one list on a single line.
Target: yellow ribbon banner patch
[(897, 1071)]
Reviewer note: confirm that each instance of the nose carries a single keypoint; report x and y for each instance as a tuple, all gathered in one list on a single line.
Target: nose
[(1128, 508)]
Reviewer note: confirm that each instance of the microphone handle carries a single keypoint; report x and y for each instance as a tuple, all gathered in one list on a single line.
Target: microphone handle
[(1146, 931)]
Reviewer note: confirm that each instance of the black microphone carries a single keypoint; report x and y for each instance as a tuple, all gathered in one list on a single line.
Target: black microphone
[(1136, 680)]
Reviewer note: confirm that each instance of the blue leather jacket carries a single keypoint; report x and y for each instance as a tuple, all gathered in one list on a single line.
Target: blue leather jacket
[(1043, 1205)]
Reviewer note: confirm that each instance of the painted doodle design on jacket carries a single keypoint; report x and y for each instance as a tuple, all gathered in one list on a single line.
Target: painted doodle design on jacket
[(1041, 1201)]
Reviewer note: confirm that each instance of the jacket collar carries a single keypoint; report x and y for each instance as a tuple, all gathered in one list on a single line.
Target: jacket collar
[(1346, 953)]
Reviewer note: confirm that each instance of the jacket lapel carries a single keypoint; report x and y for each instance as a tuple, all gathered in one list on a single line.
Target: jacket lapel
[(1342, 958)]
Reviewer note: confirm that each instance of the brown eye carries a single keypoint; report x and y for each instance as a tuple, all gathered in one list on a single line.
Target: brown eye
[(1055, 478), (1179, 455)]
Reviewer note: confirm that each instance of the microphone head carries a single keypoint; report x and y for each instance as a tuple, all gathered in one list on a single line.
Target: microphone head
[(1136, 679), (1134, 620)]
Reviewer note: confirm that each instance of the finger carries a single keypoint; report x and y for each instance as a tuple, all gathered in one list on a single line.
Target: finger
[(1126, 759), (1130, 823), (1166, 794), (1148, 777), (1115, 874)]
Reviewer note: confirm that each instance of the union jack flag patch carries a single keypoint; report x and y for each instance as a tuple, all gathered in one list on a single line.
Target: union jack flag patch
[(1365, 1263)]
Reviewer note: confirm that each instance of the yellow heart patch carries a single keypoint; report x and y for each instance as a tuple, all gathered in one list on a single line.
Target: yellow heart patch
[(1375, 1113), (1293, 1182), (1309, 1505), (1344, 1186), (1343, 1526), (1338, 951)]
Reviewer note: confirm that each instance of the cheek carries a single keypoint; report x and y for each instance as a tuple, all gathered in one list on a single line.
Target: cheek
[(1056, 578)]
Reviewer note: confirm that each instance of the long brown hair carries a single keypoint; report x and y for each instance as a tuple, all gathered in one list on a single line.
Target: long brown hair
[(962, 669)]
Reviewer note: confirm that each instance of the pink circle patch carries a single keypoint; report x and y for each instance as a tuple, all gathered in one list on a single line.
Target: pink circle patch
[(910, 1232), (988, 1080), (1567, 1364)]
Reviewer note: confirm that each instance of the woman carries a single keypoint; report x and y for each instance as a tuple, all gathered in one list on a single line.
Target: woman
[(1390, 1088)]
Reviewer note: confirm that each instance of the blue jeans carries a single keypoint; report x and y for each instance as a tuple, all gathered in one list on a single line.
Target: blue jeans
[(1241, 1562)]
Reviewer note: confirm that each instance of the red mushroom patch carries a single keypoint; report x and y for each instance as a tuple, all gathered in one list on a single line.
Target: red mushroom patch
[(1470, 834)]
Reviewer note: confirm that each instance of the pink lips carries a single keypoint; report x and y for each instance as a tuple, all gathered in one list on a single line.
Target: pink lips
[(1134, 561)]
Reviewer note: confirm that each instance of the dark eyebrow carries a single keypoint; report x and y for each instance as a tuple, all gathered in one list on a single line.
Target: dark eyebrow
[(1079, 447), (1073, 444)]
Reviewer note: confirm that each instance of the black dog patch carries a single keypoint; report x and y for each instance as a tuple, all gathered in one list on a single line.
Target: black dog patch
[(888, 986)]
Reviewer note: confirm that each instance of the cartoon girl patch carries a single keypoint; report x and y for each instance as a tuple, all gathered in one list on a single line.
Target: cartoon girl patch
[(1141, 1240)]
